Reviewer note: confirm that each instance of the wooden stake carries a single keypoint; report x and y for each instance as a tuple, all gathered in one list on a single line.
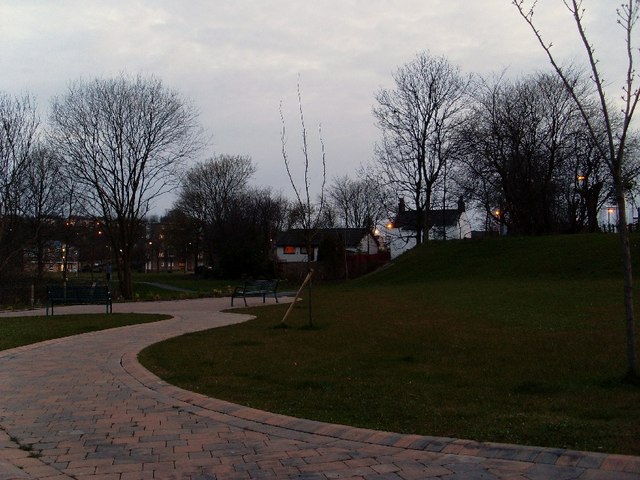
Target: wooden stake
[(306, 280)]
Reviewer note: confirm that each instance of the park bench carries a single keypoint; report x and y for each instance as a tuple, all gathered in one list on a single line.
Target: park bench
[(256, 288), (78, 295)]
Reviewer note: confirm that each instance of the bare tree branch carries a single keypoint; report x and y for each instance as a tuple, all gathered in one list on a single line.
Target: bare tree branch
[(125, 140), (615, 148)]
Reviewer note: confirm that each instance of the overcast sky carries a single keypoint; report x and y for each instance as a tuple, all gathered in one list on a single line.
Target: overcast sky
[(236, 60)]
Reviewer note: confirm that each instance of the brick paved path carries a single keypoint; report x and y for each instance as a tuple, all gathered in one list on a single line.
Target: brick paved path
[(83, 408)]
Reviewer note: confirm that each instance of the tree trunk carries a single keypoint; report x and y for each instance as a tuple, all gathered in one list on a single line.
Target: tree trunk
[(40, 260), (592, 195), (309, 270), (124, 276), (418, 235), (625, 246)]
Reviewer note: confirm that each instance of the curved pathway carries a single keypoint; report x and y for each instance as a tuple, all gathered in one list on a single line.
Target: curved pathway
[(83, 408)]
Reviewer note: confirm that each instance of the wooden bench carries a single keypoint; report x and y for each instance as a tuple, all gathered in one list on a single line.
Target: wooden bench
[(78, 295), (256, 288)]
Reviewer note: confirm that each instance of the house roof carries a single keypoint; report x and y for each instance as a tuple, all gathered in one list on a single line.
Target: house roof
[(296, 236)]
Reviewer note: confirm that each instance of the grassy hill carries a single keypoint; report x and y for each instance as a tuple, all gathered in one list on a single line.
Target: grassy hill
[(509, 339), (556, 257)]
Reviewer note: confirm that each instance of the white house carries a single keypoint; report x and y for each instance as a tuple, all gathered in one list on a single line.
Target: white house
[(291, 245), (439, 224)]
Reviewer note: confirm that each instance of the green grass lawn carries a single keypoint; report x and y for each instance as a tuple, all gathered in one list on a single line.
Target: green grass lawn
[(186, 281), (508, 340), (18, 331), (152, 285), (196, 286)]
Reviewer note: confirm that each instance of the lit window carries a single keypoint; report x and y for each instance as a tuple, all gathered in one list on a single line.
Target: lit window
[(289, 250)]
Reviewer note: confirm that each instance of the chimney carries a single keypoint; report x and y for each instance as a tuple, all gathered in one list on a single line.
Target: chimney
[(401, 205), (461, 205)]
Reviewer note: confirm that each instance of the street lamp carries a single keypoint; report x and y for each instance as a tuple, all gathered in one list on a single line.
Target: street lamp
[(610, 210), (149, 263), (497, 214)]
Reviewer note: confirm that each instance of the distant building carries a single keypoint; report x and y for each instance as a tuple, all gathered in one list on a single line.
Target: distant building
[(439, 224), (361, 252), (56, 257), (291, 245)]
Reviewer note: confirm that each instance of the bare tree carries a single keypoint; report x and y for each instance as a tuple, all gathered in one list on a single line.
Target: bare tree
[(42, 199), (310, 214), (124, 140), (614, 149), (256, 219), (303, 194), (18, 133), (357, 203), (418, 120), (586, 182), (208, 194), (525, 146), (209, 188), (71, 208)]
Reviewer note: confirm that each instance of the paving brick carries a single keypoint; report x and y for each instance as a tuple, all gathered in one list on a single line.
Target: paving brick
[(105, 417)]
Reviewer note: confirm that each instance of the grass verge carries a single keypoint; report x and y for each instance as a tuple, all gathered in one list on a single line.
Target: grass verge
[(509, 340), (186, 285), (18, 331)]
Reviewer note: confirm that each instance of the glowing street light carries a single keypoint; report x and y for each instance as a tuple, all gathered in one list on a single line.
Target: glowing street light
[(610, 210), (497, 213)]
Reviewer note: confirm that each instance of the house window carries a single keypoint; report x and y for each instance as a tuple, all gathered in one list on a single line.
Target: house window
[(289, 250)]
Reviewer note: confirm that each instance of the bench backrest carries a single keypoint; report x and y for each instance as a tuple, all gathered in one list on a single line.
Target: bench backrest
[(71, 293), (268, 285)]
